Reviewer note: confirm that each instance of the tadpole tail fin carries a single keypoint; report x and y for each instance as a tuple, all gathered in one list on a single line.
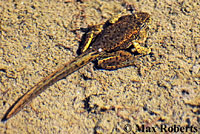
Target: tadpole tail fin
[(58, 74)]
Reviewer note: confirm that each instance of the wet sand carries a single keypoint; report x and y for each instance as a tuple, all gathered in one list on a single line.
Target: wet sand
[(163, 88)]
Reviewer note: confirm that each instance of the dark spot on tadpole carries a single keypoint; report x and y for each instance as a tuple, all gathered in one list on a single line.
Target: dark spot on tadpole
[(82, 63), (76, 66)]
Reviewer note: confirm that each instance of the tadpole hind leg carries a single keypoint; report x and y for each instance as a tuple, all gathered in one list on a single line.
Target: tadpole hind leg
[(116, 60), (89, 37)]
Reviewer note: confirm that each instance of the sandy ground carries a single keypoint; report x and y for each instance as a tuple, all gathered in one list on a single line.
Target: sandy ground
[(164, 89)]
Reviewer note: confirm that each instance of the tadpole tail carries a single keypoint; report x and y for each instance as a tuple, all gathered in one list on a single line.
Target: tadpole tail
[(58, 74)]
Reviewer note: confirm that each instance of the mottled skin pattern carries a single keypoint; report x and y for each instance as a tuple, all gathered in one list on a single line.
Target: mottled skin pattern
[(108, 43), (119, 35)]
